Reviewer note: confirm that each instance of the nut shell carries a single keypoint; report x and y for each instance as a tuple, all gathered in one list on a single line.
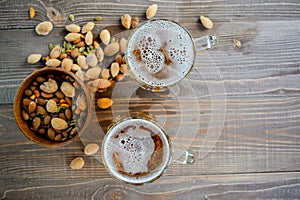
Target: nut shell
[(44, 28)]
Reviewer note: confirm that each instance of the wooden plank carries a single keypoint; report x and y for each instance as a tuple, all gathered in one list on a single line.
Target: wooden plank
[(240, 186), (262, 66), (264, 58), (219, 11), (248, 94), (259, 135)]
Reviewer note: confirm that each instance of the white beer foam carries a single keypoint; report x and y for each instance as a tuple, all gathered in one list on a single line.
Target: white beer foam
[(149, 38), (134, 147)]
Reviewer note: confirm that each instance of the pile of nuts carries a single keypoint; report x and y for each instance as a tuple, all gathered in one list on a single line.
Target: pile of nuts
[(83, 54), (54, 107)]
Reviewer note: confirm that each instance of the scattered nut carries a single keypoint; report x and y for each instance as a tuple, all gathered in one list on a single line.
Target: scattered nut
[(104, 103), (34, 58), (77, 163), (71, 17), (126, 21), (93, 73), (92, 60), (44, 28), (105, 36), (67, 64), (206, 22), (75, 53), (89, 38), (135, 22), (103, 83), (151, 11), (53, 62), (81, 61), (31, 12), (124, 69), (73, 28), (70, 37), (93, 85), (237, 43), (105, 74), (75, 67), (50, 86), (80, 74), (120, 77), (114, 69), (91, 149), (111, 49), (123, 45), (55, 52), (99, 54), (98, 18), (88, 27), (81, 101)]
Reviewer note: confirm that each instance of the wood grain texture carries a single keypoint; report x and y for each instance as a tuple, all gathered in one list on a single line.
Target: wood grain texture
[(266, 64), (248, 94)]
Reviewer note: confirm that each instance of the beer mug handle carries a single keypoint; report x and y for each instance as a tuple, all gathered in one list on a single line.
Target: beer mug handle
[(182, 156), (205, 42)]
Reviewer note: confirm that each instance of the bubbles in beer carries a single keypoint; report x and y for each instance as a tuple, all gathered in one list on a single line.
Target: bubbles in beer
[(136, 151), (166, 53)]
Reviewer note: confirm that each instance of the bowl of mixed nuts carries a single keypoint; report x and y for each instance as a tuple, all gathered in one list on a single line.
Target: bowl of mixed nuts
[(52, 107)]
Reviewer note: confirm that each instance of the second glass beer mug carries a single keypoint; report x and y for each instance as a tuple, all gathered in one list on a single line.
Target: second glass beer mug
[(138, 150)]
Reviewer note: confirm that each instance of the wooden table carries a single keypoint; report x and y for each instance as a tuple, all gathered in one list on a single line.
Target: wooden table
[(247, 89)]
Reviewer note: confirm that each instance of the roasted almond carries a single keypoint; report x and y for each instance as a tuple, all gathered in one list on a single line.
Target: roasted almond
[(53, 62), (89, 38), (105, 73), (206, 22), (55, 52), (126, 21), (114, 69), (44, 28), (73, 28), (104, 103), (103, 83), (151, 11), (123, 44), (93, 72), (111, 49), (88, 27), (91, 149), (105, 36), (77, 163), (70, 37), (34, 58)]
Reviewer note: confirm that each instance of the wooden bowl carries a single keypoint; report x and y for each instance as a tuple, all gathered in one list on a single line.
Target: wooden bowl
[(23, 125)]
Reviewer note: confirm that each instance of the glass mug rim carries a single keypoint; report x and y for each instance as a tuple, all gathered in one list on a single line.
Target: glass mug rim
[(165, 163), (158, 88)]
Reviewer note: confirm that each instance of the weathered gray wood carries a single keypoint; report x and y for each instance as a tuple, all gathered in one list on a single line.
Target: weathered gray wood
[(257, 137), (268, 56), (249, 93), (187, 11), (241, 186)]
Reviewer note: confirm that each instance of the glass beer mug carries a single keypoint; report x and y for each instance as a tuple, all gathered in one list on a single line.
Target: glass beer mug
[(137, 150), (161, 52)]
